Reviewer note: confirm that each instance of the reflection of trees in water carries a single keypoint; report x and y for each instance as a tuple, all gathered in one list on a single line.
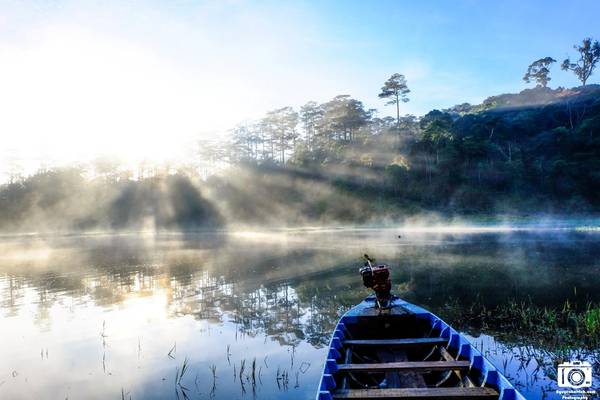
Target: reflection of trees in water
[(12, 290), (295, 289), (257, 295), (548, 270), (283, 311), (273, 310)]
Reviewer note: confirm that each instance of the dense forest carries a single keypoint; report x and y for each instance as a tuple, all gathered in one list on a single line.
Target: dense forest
[(535, 152), (538, 149)]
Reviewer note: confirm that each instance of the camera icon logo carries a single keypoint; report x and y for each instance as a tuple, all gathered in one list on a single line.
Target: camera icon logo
[(575, 374)]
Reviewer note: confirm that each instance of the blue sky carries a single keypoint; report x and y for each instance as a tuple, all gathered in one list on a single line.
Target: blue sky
[(82, 78)]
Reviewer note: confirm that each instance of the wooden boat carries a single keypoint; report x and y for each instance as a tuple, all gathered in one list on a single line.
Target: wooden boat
[(398, 350)]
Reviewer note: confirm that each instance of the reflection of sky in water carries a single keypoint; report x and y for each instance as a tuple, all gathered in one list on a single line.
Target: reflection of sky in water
[(267, 297), (94, 352)]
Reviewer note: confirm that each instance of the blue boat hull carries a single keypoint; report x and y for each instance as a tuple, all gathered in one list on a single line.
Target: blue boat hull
[(364, 322)]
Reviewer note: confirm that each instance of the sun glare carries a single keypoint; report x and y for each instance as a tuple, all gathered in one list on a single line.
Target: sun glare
[(72, 96)]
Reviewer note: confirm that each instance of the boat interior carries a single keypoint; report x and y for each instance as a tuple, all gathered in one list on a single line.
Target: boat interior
[(401, 356)]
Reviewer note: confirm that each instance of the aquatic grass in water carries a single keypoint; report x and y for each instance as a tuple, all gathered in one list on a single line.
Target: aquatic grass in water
[(592, 321), (556, 327)]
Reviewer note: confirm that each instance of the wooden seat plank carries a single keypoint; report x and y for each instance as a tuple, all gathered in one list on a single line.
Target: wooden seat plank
[(409, 342), (407, 366), (395, 379), (451, 393)]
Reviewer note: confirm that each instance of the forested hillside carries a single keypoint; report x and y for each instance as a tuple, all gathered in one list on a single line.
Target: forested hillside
[(535, 152)]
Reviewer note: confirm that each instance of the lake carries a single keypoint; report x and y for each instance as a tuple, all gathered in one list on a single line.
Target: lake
[(248, 315)]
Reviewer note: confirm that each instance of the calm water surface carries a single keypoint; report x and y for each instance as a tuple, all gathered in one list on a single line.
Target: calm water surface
[(250, 314)]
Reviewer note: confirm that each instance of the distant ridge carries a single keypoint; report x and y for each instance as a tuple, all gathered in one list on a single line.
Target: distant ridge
[(536, 97)]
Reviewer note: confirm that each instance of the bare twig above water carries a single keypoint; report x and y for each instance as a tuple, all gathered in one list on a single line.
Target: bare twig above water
[(123, 394), (181, 372), (173, 350), (213, 370), (103, 334), (254, 372), (292, 356)]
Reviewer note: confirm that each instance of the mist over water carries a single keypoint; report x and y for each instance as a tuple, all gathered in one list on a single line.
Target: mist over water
[(106, 315)]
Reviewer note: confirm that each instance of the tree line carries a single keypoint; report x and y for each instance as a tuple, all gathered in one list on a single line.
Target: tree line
[(322, 133)]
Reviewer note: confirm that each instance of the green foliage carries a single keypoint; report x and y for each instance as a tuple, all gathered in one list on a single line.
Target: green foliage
[(539, 71), (592, 321), (395, 90), (554, 327), (435, 127), (589, 55)]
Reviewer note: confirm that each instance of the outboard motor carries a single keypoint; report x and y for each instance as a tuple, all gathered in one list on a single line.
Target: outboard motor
[(377, 277)]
